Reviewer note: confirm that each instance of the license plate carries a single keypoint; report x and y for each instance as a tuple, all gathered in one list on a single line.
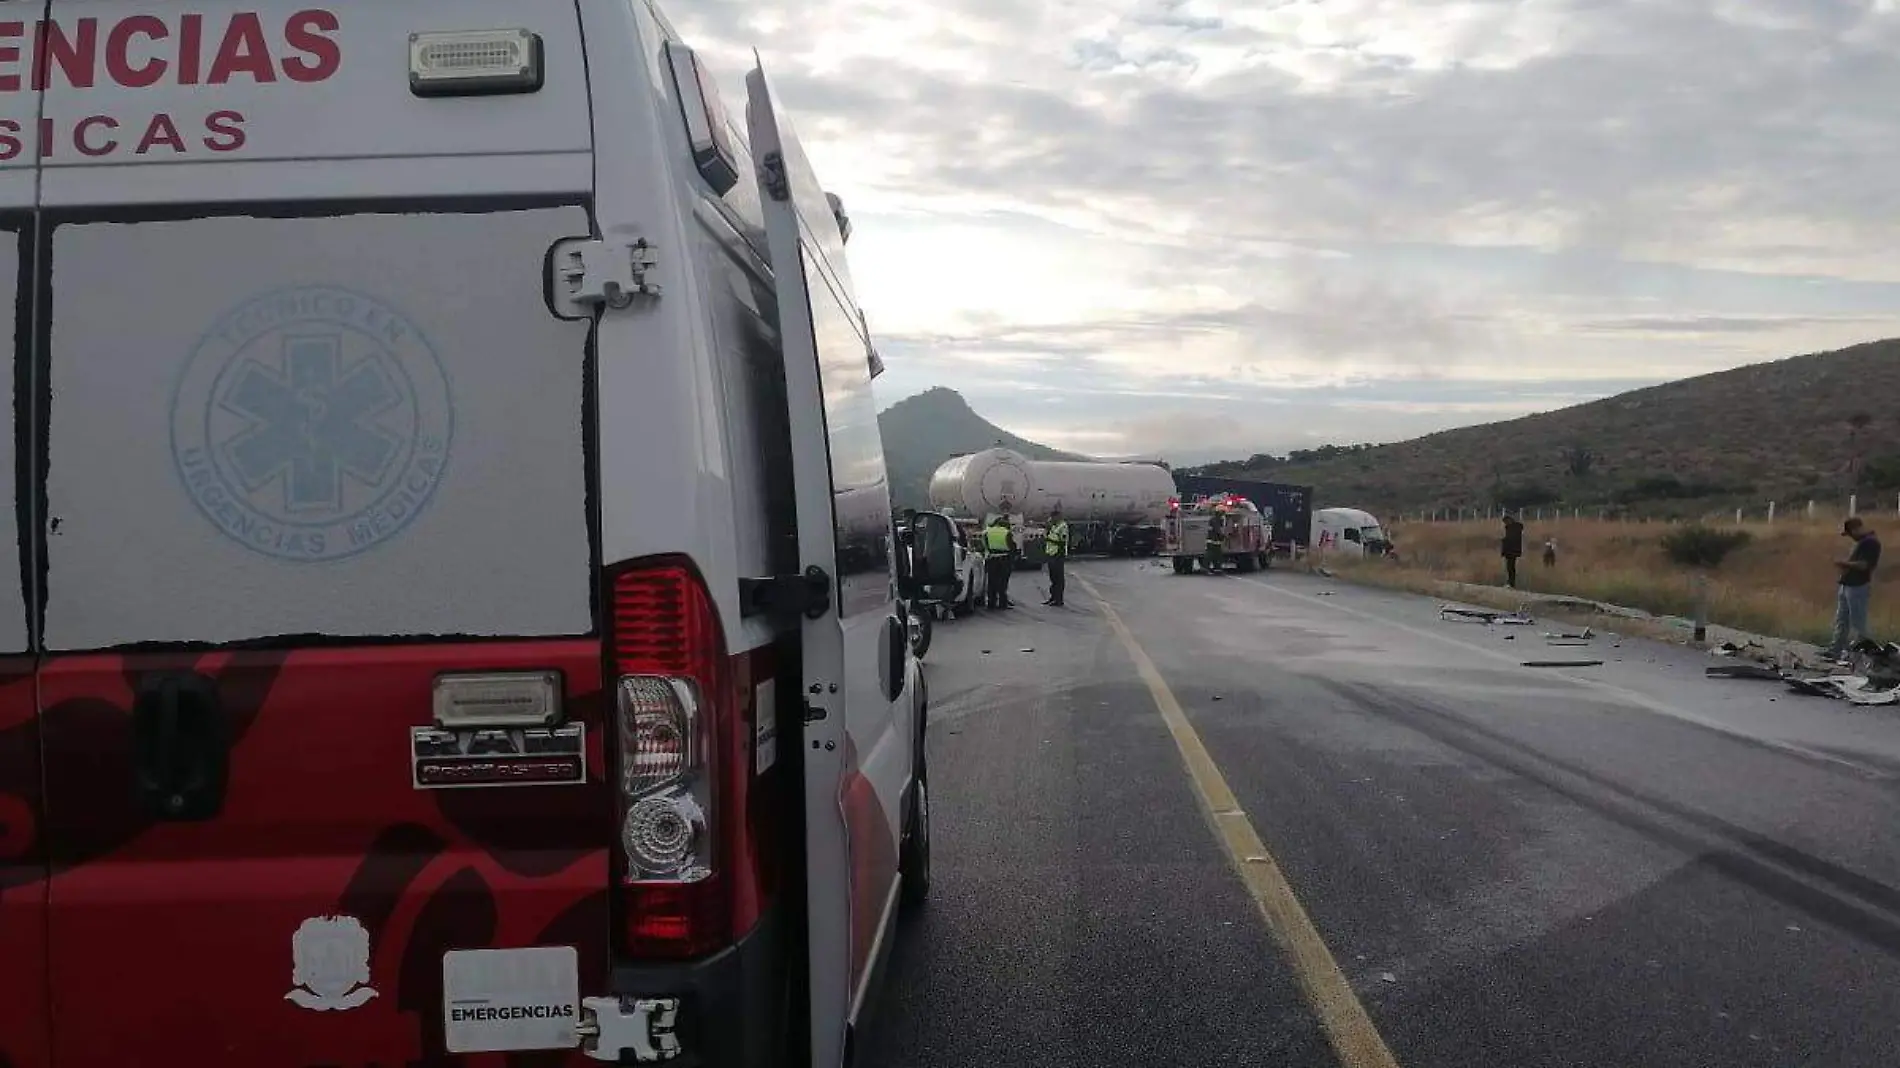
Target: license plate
[(495, 1000)]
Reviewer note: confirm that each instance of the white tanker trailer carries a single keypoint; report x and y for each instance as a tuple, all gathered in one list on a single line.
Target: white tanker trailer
[(1113, 508)]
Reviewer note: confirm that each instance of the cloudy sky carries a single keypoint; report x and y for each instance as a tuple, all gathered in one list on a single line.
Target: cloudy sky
[(1188, 227)]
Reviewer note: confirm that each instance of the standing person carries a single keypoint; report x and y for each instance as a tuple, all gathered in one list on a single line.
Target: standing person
[(1856, 587), (1056, 549), (999, 559), (1216, 540), (1550, 552), (1511, 548)]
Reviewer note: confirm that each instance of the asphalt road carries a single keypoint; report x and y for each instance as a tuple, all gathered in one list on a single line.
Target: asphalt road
[(1512, 866)]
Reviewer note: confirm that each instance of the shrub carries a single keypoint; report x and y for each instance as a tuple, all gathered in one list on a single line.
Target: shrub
[(1702, 547)]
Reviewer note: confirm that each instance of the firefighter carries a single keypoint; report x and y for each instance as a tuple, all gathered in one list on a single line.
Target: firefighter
[(999, 560), (1056, 549)]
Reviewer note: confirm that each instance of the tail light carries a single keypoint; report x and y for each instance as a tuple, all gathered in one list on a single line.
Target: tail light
[(675, 708)]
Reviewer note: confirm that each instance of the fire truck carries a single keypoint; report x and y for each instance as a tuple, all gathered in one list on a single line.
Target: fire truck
[(1243, 541)]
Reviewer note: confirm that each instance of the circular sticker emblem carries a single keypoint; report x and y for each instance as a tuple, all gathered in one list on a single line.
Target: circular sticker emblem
[(312, 423)]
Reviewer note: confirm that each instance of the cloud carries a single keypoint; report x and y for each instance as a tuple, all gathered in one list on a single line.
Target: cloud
[(1188, 196)]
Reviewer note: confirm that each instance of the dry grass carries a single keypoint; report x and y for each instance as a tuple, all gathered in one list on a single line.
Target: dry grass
[(1780, 584)]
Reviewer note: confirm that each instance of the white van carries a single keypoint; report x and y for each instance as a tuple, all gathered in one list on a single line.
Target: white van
[(431, 635), (1348, 532)]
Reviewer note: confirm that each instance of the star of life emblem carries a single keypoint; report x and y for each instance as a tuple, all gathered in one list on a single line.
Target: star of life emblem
[(330, 964), (312, 424)]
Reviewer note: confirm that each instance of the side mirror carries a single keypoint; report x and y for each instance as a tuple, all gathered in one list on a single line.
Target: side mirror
[(934, 562)]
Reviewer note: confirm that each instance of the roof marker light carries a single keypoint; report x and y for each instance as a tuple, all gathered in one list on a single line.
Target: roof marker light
[(475, 62)]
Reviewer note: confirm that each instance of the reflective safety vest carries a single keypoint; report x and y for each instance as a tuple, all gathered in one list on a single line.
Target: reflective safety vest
[(996, 539), (1057, 538)]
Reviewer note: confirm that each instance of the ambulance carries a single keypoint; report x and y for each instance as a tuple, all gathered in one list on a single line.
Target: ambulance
[(454, 618)]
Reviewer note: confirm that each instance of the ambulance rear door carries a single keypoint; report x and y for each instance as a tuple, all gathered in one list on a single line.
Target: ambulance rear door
[(857, 757), (24, 1019), (321, 692)]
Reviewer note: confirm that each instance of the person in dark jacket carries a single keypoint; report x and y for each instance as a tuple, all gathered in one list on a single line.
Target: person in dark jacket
[(1511, 548)]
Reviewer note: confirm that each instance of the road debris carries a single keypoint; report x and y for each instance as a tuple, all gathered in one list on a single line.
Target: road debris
[(1570, 635), (1743, 671), (1485, 616), (1877, 682), (1562, 663), (1854, 689)]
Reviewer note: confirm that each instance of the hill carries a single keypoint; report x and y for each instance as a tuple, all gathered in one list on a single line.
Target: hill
[(1817, 426), (923, 431)]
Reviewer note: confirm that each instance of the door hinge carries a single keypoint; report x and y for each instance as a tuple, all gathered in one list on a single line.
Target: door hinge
[(807, 594), (592, 273)]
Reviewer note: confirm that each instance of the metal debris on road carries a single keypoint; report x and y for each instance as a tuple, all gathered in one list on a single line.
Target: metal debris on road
[(1562, 663), (1854, 689), (1479, 615), (1878, 685), (1570, 635), (1743, 671)]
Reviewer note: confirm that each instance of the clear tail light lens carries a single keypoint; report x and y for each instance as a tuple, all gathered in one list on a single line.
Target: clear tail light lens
[(659, 724), (665, 836), (665, 781)]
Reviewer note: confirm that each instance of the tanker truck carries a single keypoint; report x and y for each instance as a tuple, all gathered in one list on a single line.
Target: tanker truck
[(1113, 508)]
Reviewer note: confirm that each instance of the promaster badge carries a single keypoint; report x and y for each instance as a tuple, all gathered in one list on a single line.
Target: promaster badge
[(446, 759)]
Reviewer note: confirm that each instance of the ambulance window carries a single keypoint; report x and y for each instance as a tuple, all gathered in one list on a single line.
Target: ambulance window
[(1352, 533)]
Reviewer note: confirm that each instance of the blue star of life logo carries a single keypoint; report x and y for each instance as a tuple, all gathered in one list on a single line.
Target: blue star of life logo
[(312, 424)]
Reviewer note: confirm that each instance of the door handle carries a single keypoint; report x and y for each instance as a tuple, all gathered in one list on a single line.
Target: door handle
[(180, 748)]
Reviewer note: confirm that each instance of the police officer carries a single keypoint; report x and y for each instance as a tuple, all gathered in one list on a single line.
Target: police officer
[(1056, 548), (999, 559)]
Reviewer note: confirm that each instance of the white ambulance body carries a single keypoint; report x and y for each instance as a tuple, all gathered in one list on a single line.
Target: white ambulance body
[(454, 609)]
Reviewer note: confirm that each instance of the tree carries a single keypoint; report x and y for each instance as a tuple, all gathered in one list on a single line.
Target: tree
[(1516, 498), (1855, 424), (1702, 549), (1881, 472), (1578, 460)]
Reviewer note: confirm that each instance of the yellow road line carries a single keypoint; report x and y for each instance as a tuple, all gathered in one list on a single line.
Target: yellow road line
[(1331, 997)]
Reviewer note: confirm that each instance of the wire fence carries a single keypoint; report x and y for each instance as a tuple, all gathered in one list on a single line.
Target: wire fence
[(1765, 512)]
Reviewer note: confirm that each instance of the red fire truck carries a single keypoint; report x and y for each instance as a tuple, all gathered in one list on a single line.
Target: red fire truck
[(1218, 531)]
